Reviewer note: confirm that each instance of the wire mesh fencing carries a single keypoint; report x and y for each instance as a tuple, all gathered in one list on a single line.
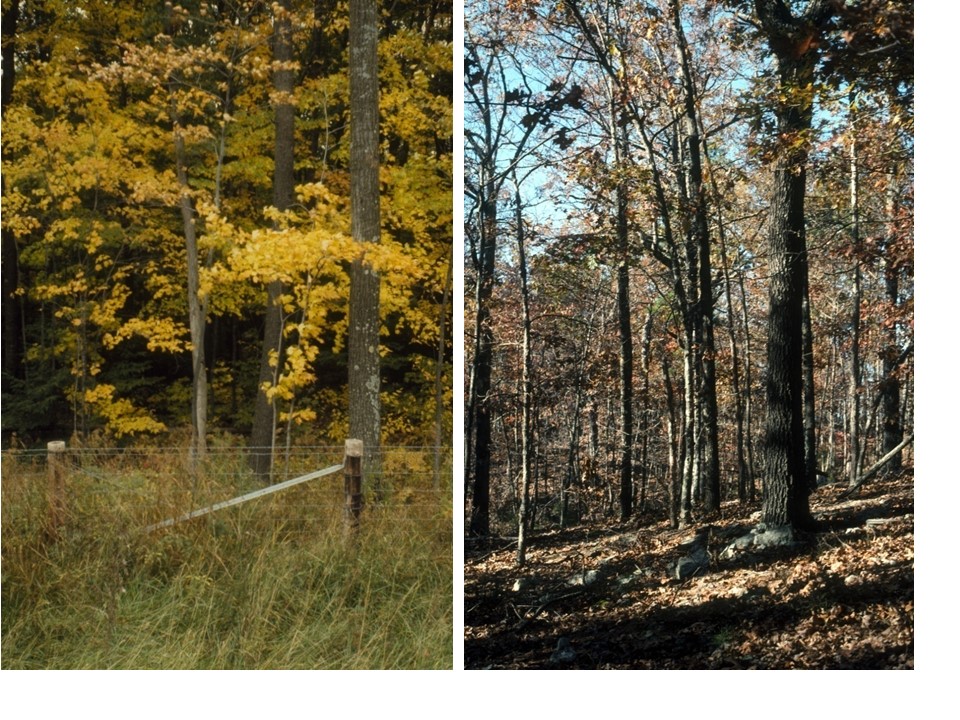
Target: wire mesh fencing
[(136, 490)]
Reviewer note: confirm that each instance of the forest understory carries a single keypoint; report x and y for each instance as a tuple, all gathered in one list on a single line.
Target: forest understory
[(605, 597)]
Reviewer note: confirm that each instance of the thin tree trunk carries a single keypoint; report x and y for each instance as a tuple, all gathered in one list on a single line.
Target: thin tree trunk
[(809, 400), (709, 465), (688, 451), (590, 478), (438, 380), (573, 452), (626, 359), (671, 420), (263, 431), (196, 307), (526, 390), (877, 466), (890, 385), (738, 399), (13, 327), (482, 361), (748, 395), (645, 402), (855, 376), (830, 424)]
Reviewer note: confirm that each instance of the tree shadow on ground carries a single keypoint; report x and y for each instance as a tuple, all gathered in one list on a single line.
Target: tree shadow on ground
[(712, 633), (839, 598)]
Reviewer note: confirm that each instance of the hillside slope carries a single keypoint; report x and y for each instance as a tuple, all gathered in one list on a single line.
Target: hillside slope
[(608, 597)]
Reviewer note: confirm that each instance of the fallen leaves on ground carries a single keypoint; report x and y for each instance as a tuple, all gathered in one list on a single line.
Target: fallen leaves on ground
[(842, 598)]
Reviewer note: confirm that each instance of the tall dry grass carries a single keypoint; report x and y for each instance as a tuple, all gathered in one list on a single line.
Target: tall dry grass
[(274, 583)]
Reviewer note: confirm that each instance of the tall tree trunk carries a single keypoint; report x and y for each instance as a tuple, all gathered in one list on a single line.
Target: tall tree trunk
[(688, 451), (9, 20), (809, 404), (743, 470), (363, 344), (525, 390), (626, 356), (592, 476), (573, 450), (645, 339), (12, 341), (785, 489), (196, 307), (482, 360), (830, 424), (748, 395), (573, 463), (671, 419), (438, 380), (12, 330), (709, 466), (735, 361), (786, 499), (853, 466), (890, 386), (742, 403), (263, 431)]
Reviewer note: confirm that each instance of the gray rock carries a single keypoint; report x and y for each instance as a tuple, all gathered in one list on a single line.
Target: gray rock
[(522, 584), (774, 536), (564, 654), (693, 564), (761, 536), (584, 578)]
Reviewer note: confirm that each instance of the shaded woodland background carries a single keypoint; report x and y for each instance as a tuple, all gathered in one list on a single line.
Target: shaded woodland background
[(625, 166)]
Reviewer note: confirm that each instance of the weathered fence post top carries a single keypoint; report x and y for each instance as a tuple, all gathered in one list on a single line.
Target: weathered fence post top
[(354, 448)]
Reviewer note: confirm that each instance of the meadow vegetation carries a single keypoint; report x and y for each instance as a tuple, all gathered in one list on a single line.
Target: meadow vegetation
[(274, 583)]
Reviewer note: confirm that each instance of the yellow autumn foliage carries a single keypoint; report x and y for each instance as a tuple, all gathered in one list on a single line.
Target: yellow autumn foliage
[(120, 415)]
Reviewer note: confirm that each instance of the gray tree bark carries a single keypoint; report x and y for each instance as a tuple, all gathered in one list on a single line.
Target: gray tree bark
[(363, 344)]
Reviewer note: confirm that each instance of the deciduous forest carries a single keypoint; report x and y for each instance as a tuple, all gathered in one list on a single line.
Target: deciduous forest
[(177, 239), (689, 356), (227, 269)]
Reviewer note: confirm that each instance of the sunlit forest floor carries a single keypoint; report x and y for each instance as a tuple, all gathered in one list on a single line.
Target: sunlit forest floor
[(596, 597)]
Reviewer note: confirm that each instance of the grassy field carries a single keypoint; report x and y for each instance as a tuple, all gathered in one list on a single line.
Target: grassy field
[(273, 583)]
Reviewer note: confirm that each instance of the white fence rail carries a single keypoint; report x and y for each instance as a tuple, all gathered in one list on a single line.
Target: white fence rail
[(244, 498)]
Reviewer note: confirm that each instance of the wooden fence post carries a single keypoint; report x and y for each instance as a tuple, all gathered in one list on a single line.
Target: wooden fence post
[(352, 494), (56, 490)]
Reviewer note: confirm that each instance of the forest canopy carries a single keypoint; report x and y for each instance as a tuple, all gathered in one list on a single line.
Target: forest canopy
[(689, 255), (139, 221)]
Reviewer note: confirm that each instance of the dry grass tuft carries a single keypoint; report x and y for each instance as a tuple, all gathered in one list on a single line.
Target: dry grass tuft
[(274, 583)]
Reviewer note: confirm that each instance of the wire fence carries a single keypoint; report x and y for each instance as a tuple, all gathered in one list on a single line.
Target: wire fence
[(137, 489)]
